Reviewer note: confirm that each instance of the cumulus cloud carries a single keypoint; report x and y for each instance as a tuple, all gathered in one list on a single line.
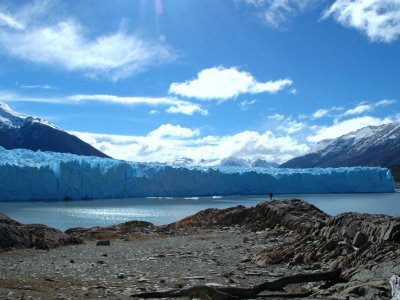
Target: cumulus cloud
[(221, 84), (277, 13), (170, 142), (340, 128), (176, 131), (377, 19), (66, 44)]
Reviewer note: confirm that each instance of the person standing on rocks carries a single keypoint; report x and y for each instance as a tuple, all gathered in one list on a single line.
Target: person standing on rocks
[(270, 196)]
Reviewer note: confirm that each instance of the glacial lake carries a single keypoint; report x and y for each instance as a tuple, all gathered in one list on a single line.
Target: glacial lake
[(88, 213)]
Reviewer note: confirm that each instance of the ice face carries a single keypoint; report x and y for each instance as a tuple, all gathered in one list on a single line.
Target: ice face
[(28, 175)]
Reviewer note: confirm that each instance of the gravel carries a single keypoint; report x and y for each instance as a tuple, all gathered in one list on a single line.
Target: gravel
[(148, 263)]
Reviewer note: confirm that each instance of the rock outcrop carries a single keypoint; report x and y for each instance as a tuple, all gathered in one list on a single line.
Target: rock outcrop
[(16, 235), (127, 230), (347, 240), (293, 214), (366, 247)]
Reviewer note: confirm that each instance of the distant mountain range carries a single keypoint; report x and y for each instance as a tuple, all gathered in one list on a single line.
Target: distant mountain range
[(225, 162), (368, 146), (21, 131)]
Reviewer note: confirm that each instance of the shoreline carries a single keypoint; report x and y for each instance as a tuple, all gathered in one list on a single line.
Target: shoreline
[(65, 215), (237, 246)]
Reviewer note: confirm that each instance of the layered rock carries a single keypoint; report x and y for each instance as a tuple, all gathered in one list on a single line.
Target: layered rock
[(347, 240), (366, 247), (293, 214), (16, 235), (297, 232)]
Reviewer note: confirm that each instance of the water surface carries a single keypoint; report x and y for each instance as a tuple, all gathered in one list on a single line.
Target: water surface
[(67, 214)]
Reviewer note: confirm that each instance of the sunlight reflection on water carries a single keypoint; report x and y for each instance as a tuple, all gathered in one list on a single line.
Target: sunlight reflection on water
[(67, 214)]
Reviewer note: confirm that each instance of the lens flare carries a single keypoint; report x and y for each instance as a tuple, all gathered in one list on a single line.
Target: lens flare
[(159, 7)]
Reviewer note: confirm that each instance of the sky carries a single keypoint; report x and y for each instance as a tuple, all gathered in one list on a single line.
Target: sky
[(159, 80)]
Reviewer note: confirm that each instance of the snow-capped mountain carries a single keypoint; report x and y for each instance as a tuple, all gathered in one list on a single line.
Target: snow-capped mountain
[(28, 132), (225, 162), (368, 146), (240, 162)]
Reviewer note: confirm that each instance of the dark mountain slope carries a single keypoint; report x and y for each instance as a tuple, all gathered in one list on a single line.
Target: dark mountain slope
[(20, 131), (368, 146)]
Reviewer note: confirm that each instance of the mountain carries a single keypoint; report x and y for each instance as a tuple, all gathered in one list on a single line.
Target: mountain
[(368, 146), (240, 162), (28, 132), (225, 162)]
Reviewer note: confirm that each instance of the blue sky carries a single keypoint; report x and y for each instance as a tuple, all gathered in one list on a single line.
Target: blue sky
[(155, 80)]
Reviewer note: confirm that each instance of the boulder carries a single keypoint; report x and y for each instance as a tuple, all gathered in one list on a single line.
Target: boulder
[(16, 235)]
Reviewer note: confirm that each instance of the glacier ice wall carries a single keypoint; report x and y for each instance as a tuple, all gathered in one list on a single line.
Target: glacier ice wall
[(28, 175)]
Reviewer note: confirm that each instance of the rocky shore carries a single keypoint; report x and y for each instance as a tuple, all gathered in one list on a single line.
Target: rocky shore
[(212, 250)]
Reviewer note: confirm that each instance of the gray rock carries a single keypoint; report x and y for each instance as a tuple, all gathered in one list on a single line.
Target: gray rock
[(103, 243), (395, 284), (359, 240), (16, 235)]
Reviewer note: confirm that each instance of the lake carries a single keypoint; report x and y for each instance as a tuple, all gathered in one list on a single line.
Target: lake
[(88, 213)]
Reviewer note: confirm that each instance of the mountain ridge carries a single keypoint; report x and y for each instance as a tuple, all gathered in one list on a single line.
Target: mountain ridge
[(370, 146), (28, 132)]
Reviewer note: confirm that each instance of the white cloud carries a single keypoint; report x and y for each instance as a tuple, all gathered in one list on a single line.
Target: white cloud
[(38, 86), (292, 126), (385, 102), (9, 21), (174, 106), (186, 108), (340, 128), (277, 13), (278, 117), (168, 143), (220, 83), (66, 44), (176, 131), (358, 110), (320, 113), (244, 105), (378, 19), (363, 108)]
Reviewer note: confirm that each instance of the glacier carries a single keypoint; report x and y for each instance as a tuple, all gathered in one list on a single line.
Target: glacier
[(28, 175)]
